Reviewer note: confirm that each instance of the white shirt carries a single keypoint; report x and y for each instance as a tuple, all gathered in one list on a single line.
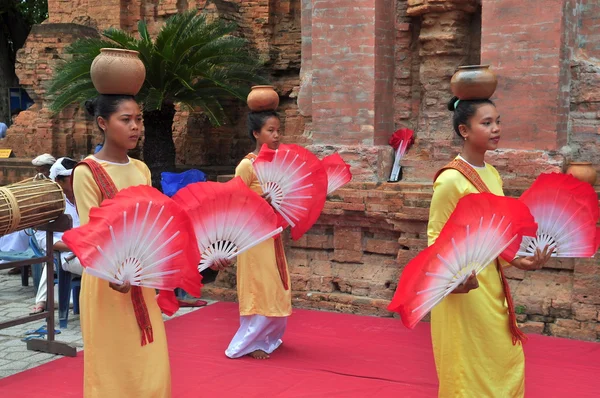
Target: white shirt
[(70, 210), (16, 241)]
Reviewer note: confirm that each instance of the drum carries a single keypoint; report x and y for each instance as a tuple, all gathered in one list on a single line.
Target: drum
[(32, 202)]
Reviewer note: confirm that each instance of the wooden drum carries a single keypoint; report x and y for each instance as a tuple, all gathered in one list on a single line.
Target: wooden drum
[(29, 203)]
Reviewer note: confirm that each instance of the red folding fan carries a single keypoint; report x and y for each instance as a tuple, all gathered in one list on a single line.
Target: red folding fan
[(481, 228), (229, 218), (566, 211), (338, 172), (401, 140), (142, 237), (296, 183)]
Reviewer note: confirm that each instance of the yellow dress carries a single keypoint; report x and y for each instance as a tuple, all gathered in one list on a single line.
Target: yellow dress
[(472, 343), (115, 363), (260, 290)]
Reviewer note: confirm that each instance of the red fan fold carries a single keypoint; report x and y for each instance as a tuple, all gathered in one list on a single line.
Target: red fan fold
[(149, 232), (228, 218), (297, 185), (566, 211), (481, 228), (404, 136), (338, 172)]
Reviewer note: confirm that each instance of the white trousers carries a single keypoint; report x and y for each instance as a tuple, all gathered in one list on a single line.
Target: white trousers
[(257, 332), (73, 266)]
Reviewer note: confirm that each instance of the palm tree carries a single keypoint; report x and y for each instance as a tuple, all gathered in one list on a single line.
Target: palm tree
[(192, 62)]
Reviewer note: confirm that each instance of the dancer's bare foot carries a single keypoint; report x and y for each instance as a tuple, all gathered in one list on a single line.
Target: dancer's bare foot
[(259, 354)]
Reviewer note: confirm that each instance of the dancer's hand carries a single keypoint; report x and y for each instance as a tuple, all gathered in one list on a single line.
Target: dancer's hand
[(220, 264), (534, 262), (470, 284), (124, 288), (266, 197)]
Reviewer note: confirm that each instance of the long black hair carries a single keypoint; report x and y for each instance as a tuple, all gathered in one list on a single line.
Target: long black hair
[(105, 105), (463, 110), (257, 120)]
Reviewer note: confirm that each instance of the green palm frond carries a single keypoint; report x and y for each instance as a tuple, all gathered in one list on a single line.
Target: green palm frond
[(77, 93), (211, 107), (122, 38), (192, 61), (174, 28), (152, 99)]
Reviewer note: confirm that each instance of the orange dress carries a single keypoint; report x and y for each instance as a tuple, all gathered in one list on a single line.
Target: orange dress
[(115, 364), (264, 302)]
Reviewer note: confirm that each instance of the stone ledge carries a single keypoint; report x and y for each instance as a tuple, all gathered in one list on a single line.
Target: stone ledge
[(55, 29)]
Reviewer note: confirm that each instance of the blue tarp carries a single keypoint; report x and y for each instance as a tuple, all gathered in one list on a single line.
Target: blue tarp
[(173, 182)]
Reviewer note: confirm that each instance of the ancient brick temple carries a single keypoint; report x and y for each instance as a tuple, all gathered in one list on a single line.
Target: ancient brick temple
[(349, 73)]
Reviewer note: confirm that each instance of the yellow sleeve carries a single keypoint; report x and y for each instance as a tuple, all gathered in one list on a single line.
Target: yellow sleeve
[(498, 177), (245, 172), (143, 168), (87, 193), (449, 187)]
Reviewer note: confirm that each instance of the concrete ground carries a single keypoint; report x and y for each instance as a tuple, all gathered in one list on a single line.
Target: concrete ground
[(17, 301)]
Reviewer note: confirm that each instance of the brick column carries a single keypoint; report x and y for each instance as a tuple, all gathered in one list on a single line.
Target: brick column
[(350, 69), (306, 69), (350, 39), (445, 41), (532, 64)]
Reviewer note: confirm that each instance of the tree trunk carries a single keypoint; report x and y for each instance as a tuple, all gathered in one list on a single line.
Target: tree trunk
[(159, 149), (13, 34)]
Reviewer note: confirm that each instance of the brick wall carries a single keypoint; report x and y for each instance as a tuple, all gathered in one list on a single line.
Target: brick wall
[(347, 86), (343, 63), (531, 79), (97, 14), (584, 117), (305, 89), (36, 131), (407, 92), (273, 29), (384, 70), (588, 38), (15, 170)]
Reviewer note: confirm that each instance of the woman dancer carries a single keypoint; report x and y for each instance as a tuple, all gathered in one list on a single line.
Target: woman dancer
[(262, 276), (476, 342), (123, 331)]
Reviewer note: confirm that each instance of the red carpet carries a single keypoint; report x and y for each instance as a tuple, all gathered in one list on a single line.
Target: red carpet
[(324, 355)]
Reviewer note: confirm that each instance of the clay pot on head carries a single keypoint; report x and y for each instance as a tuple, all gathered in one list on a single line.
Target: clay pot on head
[(473, 82), (583, 171), (117, 71), (263, 98)]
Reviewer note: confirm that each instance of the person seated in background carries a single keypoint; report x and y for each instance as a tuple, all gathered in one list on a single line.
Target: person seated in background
[(60, 172), (3, 128), (43, 163)]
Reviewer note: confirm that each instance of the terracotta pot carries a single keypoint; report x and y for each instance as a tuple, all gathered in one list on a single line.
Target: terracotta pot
[(583, 171), (263, 98), (473, 82), (116, 71)]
